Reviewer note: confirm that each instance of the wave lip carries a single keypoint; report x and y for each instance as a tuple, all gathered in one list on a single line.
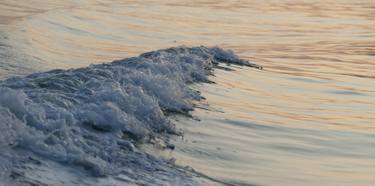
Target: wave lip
[(91, 117)]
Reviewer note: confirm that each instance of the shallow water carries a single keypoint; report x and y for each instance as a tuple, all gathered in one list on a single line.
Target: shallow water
[(306, 118)]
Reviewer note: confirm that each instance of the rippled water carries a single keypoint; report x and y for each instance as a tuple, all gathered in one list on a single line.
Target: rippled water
[(306, 119)]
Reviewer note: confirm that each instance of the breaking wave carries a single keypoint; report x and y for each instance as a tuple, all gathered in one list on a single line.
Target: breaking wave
[(92, 118)]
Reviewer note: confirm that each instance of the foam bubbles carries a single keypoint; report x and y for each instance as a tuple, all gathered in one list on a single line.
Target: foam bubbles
[(79, 116)]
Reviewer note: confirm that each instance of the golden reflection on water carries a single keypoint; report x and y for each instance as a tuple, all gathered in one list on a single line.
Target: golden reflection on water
[(316, 92)]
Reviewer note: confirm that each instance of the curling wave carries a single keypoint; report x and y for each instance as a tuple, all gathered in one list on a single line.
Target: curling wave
[(91, 117)]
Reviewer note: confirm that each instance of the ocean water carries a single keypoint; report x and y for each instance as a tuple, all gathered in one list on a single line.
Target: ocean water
[(306, 118)]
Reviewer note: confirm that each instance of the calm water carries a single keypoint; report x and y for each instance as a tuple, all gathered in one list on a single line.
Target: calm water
[(306, 119)]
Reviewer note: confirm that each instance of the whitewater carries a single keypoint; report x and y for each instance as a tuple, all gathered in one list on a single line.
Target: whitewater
[(93, 118)]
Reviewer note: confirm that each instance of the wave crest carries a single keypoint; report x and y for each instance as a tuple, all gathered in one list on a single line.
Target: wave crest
[(80, 116)]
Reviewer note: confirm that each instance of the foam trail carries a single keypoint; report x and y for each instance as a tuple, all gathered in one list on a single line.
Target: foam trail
[(91, 117)]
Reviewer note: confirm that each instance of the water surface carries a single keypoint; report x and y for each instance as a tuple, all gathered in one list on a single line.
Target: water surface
[(306, 119)]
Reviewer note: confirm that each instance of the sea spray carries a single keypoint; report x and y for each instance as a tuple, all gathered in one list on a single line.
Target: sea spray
[(80, 117)]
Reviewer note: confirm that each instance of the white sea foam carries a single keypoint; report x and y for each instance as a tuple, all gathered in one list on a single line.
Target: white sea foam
[(79, 117)]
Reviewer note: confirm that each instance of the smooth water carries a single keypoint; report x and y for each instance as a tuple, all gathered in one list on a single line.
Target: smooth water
[(305, 119)]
